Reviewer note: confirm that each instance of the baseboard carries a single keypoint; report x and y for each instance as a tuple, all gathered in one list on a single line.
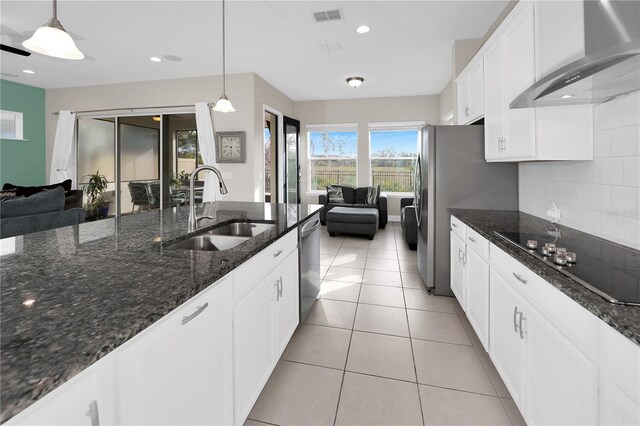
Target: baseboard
[(393, 218)]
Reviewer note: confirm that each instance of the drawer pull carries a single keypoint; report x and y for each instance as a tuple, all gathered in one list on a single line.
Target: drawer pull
[(454, 225), (276, 254), (93, 413), (522, 333), (195, 314), (472, 239), (519, 278)]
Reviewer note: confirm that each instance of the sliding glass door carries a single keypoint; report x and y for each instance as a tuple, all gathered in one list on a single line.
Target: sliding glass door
[(146, 159)]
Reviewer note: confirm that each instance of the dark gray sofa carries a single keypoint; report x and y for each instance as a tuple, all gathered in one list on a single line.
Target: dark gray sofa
[(39, 212), (354, 197), (409, 222)]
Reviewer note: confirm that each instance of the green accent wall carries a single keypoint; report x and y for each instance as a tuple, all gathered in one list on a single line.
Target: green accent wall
[(23, 162)]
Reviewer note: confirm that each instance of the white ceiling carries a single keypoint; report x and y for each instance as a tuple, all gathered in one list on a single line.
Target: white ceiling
[(407, 52)]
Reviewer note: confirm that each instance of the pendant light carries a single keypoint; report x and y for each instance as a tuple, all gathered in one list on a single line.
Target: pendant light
[(223, 104), (51, 39)]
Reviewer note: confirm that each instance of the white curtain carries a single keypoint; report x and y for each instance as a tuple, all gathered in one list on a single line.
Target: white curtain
[(207, 147), (63, 160)]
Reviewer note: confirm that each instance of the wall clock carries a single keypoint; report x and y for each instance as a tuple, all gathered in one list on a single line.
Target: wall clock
[(230, 147)]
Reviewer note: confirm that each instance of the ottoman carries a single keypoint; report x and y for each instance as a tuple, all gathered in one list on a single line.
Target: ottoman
[(352, 220)]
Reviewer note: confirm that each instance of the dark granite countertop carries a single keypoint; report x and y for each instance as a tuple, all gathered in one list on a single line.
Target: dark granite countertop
[(98, 284), (625, 319)]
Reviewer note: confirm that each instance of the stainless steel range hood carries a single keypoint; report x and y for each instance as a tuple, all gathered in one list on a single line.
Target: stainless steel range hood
[(611, 67)]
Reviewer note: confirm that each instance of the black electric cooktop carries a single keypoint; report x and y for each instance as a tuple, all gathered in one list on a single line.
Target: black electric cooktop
[(609, 270)]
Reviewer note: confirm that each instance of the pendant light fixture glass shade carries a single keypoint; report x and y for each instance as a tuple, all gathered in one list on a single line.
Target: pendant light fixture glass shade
[(223, 104), (51, 39)]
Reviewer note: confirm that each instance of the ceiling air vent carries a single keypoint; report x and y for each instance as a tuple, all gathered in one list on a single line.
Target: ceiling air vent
[(328, 15), (329, 46)]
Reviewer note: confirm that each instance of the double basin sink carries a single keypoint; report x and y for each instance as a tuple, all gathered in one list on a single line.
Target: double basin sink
[(223, 237)]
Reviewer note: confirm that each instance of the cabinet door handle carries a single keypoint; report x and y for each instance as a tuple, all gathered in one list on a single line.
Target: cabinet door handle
[(280, 287), (93, 413), (515, 322), (519, 278), (522, 333), (459, 255), (198, 311), (464, 258), (472, 239), (276, 254)]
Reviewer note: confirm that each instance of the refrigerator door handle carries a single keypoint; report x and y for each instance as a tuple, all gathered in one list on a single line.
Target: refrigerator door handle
[(417, 189)]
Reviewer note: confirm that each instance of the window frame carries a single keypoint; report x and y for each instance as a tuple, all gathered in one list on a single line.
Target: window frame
[(19, 124), (320, 128), (391, 127)]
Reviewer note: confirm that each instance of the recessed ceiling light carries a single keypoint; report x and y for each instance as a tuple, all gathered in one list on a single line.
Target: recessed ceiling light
[(355, 81), (363, 29), (566, 96), (155, 59), (28, 71)]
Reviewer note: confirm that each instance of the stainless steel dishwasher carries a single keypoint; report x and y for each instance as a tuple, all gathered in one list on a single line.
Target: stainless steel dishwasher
[(309, 265)]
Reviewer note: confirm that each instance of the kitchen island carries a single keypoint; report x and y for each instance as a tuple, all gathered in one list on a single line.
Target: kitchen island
[(71, 296)]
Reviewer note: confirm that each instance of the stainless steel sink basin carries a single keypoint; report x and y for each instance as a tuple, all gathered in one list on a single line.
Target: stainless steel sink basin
[(209, 242), (242, 229)]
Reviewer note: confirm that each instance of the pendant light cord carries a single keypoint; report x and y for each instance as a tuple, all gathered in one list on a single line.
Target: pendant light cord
[(224, 68), (55, 9)]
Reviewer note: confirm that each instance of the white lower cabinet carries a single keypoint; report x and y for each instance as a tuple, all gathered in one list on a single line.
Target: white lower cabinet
[(562, 383), (506, 346), (263, 322), (477, 278), (458, 253), (179, 370), (551, 380), (287, 312), (253, 344), (80, 401)]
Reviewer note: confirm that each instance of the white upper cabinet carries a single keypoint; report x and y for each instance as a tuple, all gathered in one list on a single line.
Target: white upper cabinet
[(536, 38), (519, 140), (471, 93), (494, 102)]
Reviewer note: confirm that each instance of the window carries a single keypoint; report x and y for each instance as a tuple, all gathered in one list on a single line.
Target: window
[(10, 125), (393, 157), (332, 156), (188, 156)]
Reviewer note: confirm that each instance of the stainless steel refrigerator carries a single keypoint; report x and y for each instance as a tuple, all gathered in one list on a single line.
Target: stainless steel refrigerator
[(451, 172)]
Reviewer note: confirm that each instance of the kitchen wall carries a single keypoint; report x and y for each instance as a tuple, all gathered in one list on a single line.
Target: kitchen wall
[(23, 162), (601, 196), (446, 101), (265, 95), (363, 112)]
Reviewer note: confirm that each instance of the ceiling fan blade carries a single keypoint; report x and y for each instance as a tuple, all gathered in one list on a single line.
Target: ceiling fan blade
[(14, 50)]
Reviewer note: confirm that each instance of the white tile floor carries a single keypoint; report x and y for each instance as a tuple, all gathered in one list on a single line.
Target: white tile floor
[(378, 349)]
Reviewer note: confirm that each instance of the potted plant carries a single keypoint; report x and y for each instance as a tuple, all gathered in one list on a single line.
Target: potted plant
[(95, 184)]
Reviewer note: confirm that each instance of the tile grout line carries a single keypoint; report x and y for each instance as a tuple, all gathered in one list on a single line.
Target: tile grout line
[(413, 355), (344, 372)]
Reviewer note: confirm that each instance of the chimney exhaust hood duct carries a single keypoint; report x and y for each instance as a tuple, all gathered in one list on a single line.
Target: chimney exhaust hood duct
[(611, 67)]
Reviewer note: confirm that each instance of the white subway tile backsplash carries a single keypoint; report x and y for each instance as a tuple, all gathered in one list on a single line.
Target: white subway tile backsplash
[(631, 109), (601, 197), (624, 141), (612, 227), (610, 114), (631, 174), (602, 143), (611, 170), (624, 201), (632, 232)]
